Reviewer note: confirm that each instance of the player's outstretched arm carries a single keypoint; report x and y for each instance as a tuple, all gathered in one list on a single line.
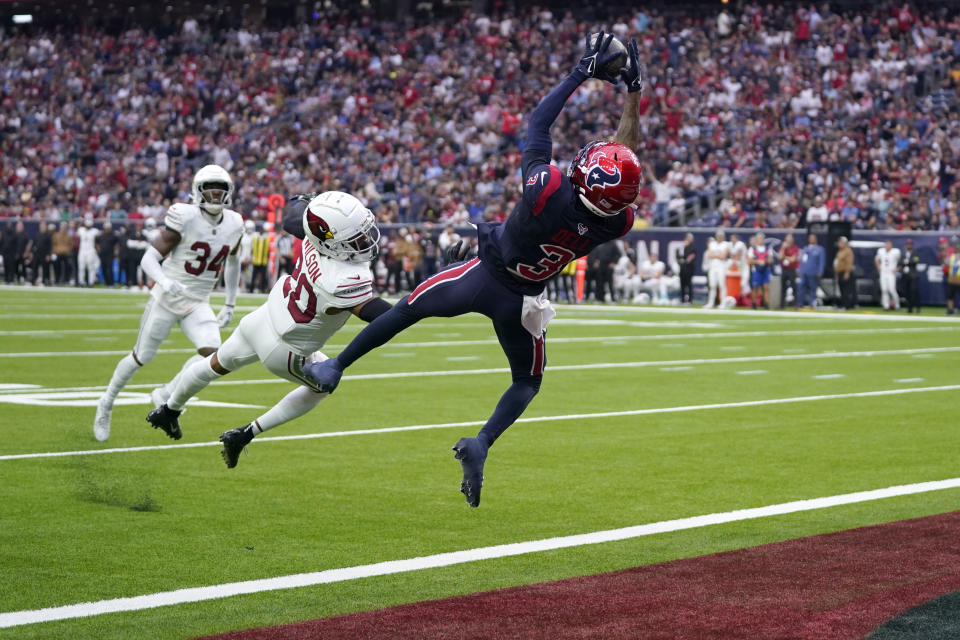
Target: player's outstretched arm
[(292, 221), (150, 263), (628, 131), (371, 309), (231, 282), (538, 148)]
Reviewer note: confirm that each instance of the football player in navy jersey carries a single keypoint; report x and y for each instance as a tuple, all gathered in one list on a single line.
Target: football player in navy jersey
[(559, 218)]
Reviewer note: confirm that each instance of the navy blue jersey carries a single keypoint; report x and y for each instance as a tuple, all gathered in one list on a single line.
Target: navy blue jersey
[(546, 230)]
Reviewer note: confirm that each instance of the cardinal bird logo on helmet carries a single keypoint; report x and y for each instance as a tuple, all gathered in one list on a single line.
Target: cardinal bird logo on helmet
[(318, 226)]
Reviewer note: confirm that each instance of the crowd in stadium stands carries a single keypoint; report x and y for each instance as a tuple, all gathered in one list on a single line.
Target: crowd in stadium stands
[(766, 117)]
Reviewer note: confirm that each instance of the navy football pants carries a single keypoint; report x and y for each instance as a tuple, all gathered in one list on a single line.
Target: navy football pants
[(458, 289)]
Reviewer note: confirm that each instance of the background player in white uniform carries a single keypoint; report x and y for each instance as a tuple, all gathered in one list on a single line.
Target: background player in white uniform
[(246, 252), (718, 250), (331, 278), (739, 260), (653, 275), (199, 241), (888, 264), (87, 259)]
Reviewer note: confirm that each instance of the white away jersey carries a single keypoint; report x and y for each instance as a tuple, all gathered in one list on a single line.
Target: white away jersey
[(723, 248), (198, 259), (888, 259), (303, 306), (88, 237)]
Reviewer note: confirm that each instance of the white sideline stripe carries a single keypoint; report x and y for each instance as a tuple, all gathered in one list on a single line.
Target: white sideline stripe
[(476, 423), (829, 376), (751, 372), (392, 567), (756, 313), (459, 343), (909, 380), (929, 351)]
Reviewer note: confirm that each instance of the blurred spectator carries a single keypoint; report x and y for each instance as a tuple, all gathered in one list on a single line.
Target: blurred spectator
[(760, 260), (23, 250), (812, 262), (9, 248), (718, 250), (412, 114), (107, 243), (63, 257), (888, 264), (687, 259), (910, 276), (653, 276), (136, 246), (42, 248), (87, 260), (953, 277), (285, 252), (843, 271), (260, 259), (789, 256)]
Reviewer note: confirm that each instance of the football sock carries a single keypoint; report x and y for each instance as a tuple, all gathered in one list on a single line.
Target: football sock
[(170, 386), (192, 381), (293, 405), (512, 403), (125, 370)]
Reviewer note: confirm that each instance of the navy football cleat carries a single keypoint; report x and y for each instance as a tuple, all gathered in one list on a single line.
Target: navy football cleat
[(472, 454), (326, 374), (234, 442), (163, 417)]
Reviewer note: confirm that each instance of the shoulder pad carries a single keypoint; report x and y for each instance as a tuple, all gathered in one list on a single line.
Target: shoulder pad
[(345, 280), (177, 216)]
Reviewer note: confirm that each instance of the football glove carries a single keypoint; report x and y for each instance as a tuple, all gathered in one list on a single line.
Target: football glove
[(596, 58), (631, 73), (225, 316), (172, 287), (456, 252)]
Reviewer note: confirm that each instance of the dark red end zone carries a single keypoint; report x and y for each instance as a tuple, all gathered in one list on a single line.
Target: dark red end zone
[(841, 585)]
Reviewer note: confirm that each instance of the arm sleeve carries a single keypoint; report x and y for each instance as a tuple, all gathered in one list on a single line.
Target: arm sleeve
[(374, 309), (231, 278), (150, 263), (293, 218), (539, 145)]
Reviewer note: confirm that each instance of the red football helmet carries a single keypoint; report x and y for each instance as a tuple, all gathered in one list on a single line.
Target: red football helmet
[(606, 176)]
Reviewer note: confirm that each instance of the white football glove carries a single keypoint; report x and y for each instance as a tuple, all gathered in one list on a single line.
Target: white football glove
[(225, 316), (172, 287)]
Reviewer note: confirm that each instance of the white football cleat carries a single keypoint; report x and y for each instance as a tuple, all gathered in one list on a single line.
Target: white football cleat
[(159, 396), (101, 423)]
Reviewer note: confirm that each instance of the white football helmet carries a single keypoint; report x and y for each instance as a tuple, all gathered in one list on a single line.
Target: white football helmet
[(339, 226), (212, 189)]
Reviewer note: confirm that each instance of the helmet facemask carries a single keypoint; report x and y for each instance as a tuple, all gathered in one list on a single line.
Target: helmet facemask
[(214, 195)]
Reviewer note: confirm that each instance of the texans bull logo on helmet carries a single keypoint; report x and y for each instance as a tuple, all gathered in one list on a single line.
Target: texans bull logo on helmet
[(318, 226), (602, 176)]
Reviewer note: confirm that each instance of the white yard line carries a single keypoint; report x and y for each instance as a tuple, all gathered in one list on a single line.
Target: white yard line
[(928, 351), (491, 341), (475, 423), (393, 567), (759, 313)]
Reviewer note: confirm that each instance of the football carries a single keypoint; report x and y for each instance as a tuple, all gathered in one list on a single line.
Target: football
[(614, 66)]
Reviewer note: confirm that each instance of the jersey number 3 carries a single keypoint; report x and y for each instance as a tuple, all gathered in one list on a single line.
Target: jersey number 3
[(555, 259), (199, 264)]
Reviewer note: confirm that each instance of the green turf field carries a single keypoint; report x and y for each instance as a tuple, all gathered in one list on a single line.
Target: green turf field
[(88, 528)]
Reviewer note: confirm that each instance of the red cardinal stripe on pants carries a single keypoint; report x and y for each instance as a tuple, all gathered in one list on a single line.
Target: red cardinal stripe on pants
[(444, 276)]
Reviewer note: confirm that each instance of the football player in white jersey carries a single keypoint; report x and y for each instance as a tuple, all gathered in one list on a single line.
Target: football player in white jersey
[(888, 265), (331, 280), (718, 250), (198, 242), (87, 259)]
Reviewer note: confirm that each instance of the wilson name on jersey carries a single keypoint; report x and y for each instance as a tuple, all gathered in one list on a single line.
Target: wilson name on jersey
[(309, 306), (197, 260)]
